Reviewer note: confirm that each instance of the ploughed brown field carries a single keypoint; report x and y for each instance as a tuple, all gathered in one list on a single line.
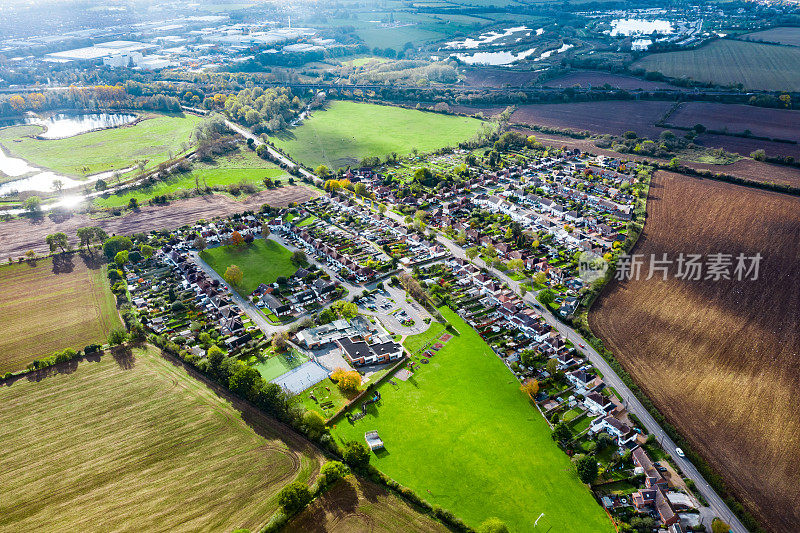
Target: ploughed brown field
[(597, 117), (720, 359), (744, 146), (499, 77), (19, 236), (762, 122), (594, 78)]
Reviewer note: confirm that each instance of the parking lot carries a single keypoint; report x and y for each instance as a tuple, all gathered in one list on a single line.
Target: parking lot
[(399, 316)]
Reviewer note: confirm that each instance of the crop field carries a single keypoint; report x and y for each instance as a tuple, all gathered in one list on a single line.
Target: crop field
[(499, 77), (784, 35), (261, 262), (720, 358), (745, 147), (728, 62), (132, 442), (346, 132), (593, 78), (505, 463), (52, 304), (152, 139), (354, 505), (241, 167), (762, 122), (597, 117)]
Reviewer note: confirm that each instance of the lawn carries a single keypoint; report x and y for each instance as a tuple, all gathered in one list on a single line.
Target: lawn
[(279, 364), (53, 304), (261, 262), (463, 436), (327, 393), (153, 139), (134, 443), (727, 62), (346, 132)]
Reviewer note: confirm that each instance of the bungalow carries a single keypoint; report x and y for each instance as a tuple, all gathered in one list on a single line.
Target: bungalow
[(359, 352), (275, 305)]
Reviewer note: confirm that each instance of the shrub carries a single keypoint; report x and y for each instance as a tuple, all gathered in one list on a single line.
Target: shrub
[(356, 454), (331, 472), (294, 497)]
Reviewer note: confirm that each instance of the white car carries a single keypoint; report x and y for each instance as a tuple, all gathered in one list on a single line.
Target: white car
[(679, 452)]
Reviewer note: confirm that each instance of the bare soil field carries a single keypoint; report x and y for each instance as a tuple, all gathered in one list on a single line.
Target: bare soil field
[(131, 442), (720, 358), (785, 35), (597, 117), (594, 78), (499, 77), (19, 236), (358, 506), (487, 111), (744, 146), (744, 168), (763, 122), (52, 304)]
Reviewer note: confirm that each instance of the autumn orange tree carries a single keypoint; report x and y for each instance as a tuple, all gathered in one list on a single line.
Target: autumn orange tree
[(237, 239), (348, 380), (531, 388)]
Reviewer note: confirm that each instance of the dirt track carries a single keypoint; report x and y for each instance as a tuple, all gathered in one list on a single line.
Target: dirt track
[(19, 236), (721, 359)]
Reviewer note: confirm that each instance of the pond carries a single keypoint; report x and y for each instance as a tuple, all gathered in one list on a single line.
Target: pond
[(545, 55), (494, 58), (63, 125), (628, 27), (487, 38)]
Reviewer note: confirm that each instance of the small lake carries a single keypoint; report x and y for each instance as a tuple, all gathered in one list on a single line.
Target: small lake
[(488, 38), (494, 58), (564, 48), (63, 125), (628, 27)]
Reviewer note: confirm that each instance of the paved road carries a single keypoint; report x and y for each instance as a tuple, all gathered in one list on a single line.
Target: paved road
[(611, 378), (247, 134)]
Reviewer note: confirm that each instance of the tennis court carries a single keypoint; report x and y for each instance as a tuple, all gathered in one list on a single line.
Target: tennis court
[(301, 378)]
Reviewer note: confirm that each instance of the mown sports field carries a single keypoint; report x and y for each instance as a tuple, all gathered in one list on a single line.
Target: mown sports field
[(728, 62), (462, 435), (152, 139), (347, 132), (134, 443), (51, 304), (261, 262)]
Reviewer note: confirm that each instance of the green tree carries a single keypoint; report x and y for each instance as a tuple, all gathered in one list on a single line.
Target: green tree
[(493, 525), (587, 469), (57, 240), (331, 472), (246, 381), (33, 204), (314, 423), (718, 526), (472, 252), (356, 454), (91, 234), (547, 296), (299, 258), (200, 243), (121, 258), (114, 245), (552, 366), (561, 433), (294, 497), (147, 251), (117, 336), (322, 171)]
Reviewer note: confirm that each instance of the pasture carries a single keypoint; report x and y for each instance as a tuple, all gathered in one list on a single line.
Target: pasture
[(153, 139), (504, 462), (243, 166), (354, 505), (728, 62), (719, 358), (51, 304), (132, 442), (347, 132), (261, 261)]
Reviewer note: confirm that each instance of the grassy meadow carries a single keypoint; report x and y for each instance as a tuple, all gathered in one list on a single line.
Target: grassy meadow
[(727, 62), (261, 262), (462, 435), (131, 442), (152, 139), (347, 132), (52, 304)]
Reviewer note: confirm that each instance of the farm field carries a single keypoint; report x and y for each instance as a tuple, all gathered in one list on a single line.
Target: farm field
[(242, 166), (745, 147), (728, 62), (347, 132), (593, 78), (53, 304), (354, 505), (152, 139), (467, 395), (782, 35), (262, 261), (20, 235), (135, 443), (691, 345), (597, 117), (762, 122), (499, 77)]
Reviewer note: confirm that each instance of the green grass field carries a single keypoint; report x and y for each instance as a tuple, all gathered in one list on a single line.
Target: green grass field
[(727, 62), (463, 436), (261, 262), (241, 166), (134, 443), (347, 132), (152, 139), (53, 304), (278, 364)]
